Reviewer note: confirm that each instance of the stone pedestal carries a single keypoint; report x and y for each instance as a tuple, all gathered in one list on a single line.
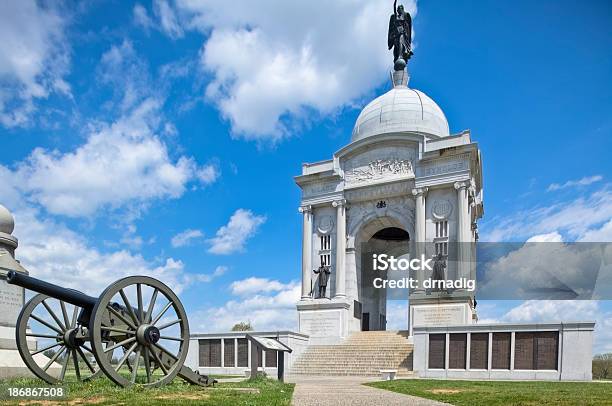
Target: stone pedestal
[(325, 321), (438, 310), (11, 302)]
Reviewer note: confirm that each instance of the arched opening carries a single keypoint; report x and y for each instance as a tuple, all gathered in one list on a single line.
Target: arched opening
[(377, 305)]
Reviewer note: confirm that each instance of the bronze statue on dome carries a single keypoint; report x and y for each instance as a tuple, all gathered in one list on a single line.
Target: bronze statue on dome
[(400, 36)]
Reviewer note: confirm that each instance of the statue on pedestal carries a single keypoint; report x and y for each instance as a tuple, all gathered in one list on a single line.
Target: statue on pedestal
[(400, 36), (323, 273)]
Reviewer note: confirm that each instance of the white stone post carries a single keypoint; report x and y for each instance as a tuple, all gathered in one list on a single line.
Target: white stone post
[(419, 227), (340, 206), (306, 251), (463, 230)]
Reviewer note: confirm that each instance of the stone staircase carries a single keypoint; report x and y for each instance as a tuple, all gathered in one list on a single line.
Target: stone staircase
[(364, 353)]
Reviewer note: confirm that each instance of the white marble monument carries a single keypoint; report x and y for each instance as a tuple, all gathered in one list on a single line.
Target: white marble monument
[(11, 302), (404, 171)]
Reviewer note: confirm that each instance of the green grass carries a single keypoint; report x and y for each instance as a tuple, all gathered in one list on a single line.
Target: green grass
[(103, 392), (503, 393)]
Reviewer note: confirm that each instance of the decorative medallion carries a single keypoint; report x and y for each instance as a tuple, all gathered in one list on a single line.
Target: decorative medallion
[(441, 209), (325, 225)]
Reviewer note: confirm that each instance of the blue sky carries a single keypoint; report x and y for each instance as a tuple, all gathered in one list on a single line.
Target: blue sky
[(162, 137)]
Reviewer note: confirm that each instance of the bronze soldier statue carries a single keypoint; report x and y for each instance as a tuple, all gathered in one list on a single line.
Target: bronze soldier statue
[(400, 36), (323, 273), (439, 269)]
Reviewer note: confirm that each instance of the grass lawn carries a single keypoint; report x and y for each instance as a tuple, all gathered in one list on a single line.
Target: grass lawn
[(503, 393), (103, 392)]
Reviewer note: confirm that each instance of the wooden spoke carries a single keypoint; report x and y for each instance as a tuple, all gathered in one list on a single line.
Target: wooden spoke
[(53, 358), (77, 369), (147, 363), (125, 357), (43, 335), (128, 306), (119, 344), (75, 314), (151, 305), (87, 348), (160, 363), (171, 338), (52, 313), (117, 330), (64, 313), (136, 364), (164, 310), (41, 321), (47, 348), (120, 316), (139, 297), (64, 366), (91, 368), (172, 323), (161, 348)]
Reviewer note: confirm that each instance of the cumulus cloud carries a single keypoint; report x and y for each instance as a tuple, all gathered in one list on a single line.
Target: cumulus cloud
[(272, 309), (587, 180), (122, 163), (255, 285), (275, 63), (186, 237), (232, 237), (578, 218), (53, 252), (34, 58)]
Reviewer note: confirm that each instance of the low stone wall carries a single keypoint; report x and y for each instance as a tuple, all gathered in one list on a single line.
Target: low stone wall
[(543, 351), (240, 362)]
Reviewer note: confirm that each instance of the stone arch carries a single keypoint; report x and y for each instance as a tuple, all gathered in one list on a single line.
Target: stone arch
[(363, 229)]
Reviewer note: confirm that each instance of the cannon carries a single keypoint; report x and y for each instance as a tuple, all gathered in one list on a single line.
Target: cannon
[(135, 332)]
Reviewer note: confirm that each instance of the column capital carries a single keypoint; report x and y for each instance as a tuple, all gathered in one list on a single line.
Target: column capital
[(462, 185), (420, 191), (305, 209), (341, 202)]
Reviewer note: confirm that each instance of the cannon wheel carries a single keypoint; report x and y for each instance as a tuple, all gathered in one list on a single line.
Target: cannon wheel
[(59, 329), (139, 332)]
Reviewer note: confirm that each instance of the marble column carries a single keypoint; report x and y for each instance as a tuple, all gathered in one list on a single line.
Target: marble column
[(463, 229), (306, 251), (340, 206), (419, 226)]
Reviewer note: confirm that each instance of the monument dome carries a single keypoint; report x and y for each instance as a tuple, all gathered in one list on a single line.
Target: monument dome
[(401, 109), (7, 223)]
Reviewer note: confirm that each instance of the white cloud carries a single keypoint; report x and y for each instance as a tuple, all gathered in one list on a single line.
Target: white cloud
[(123, 163), (55, 253), (141, 17), (254, 285), (587, 180), (275, 63), (579, 218), (186, 238), (34, 57), (550, 237), (167, 18), (233, 236), (273, 310)]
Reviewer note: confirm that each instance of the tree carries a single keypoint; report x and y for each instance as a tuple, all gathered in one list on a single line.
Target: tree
[(602, 366), (243, 326)]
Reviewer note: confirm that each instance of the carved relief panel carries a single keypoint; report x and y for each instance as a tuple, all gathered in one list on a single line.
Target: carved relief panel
[(385, 163)]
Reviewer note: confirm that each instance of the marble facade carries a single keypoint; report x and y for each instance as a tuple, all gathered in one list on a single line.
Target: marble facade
[(402, 169)]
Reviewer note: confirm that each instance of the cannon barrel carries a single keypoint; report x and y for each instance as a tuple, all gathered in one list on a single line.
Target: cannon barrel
[(67, 295)]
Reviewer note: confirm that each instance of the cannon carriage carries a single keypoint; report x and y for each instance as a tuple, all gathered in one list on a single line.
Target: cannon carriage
[(135, 332)]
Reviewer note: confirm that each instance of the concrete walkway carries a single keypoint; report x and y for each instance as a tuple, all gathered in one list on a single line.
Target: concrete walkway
[(333, 391)]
